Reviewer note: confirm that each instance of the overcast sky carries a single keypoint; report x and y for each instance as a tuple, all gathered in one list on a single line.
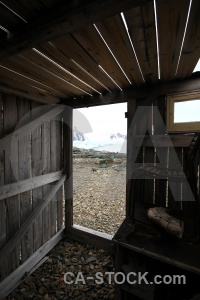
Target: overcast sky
[(105, 118)]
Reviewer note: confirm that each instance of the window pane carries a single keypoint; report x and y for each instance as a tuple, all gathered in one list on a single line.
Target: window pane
[(187, 111)]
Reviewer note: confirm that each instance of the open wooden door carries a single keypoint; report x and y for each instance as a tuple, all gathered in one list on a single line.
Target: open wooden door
[(31, 186)]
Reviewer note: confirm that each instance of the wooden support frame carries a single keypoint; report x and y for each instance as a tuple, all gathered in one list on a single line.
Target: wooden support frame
[(89, 236), (12, 189), (16, 277), (27, 224)]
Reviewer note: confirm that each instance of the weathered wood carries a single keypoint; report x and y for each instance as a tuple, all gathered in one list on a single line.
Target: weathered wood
[(115, 96), (92, 237), (55, 151), (57, 204), (114, 32), (15, 278), (46, 168), (6, 141), (67, 150), (90, 40), (36, 163), (8, 74), (24, 108), (66, 18), (3, 269), (11, 175), (141, 24), (177, 141), (5, 251), (171, 18), (26, 94), (22, 186)]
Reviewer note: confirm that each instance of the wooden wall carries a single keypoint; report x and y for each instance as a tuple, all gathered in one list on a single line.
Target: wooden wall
[(147, 144), (34, 153)]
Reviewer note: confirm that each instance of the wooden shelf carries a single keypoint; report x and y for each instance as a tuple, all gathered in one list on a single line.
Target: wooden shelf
[(168, 249)]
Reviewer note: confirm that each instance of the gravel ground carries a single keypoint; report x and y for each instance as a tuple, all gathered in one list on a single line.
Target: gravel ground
[(99, 204), (99, 195), (47, 282)]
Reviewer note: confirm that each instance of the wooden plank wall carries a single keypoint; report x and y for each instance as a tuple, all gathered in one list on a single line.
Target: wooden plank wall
[(35, 153), (158, 192)]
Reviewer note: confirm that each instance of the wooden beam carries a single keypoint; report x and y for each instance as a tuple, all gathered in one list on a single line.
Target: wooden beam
[(27, 224), (49, 99), (5, 142), (92, 237), (15, 188), (62, 19), (180, 141), (16, 277), (171, 87)]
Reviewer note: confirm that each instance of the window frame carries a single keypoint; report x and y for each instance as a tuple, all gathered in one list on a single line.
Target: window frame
[(185, 126)]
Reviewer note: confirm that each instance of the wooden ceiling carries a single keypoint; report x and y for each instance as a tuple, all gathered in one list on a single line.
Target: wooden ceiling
[(52, 50)]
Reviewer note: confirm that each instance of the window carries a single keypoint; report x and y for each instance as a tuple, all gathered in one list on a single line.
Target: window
[(183, 112)]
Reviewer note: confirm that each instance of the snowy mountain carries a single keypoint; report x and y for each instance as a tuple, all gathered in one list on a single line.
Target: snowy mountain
[(77, 135), (113, 142)]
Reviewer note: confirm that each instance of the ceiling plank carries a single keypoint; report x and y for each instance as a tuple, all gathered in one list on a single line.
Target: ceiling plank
[(29, 94), (114, 32), (141, 26), (171, 17), (61, 19), (191, 47), (11, 75)]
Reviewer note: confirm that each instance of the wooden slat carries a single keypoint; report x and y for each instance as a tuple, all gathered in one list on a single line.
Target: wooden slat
[(67, 17), (11, 75), (11, 175), (46, 168), (74, 50), (30, 69), (25, 173), (13, 189), (5, 142), (141, 25), (191, 49), (14, 279), (68, 161), (91, 41), (37, 59), (36, 157), (55, 155), (4, 266), (56, 164), (113, 31), (171, 18), (5, 251), (66, 62), (27, 92), (180, 140)]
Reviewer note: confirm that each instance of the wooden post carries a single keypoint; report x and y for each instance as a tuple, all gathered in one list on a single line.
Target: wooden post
[(130, 148), (67, 161)]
